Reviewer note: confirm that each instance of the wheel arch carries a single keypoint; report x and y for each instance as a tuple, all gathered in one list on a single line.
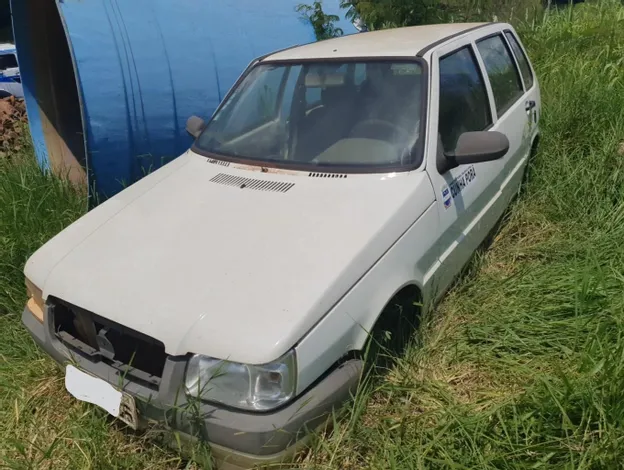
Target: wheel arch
[(409, 289), (535, 144)]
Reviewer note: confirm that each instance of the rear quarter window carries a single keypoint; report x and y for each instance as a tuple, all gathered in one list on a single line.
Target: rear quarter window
[(502, 72), (523, 62)]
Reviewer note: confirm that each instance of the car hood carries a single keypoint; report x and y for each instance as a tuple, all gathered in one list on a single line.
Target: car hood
[(207, 262)]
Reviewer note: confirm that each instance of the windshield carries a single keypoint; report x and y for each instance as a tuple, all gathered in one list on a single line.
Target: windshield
[(326, 114)]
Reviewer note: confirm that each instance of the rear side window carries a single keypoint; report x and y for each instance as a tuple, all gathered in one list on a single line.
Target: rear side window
[(502, 71), (464, 104), (523, 62)]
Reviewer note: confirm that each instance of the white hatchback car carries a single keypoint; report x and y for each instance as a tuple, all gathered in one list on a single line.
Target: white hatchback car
[(231, 292)]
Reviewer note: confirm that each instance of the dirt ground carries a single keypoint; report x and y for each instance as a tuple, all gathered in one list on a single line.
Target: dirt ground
[(12, 125)]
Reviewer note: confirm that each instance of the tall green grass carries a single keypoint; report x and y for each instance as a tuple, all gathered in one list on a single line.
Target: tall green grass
[(33, 207), (522, 366)]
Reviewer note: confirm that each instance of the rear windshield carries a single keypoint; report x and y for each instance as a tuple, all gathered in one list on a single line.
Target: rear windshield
[(322, 114)]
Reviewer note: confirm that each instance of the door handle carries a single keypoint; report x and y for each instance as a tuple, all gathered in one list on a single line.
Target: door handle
[(530, 105)]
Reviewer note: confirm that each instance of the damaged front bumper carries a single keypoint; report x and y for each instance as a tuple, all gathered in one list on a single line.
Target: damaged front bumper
[(238, 439)]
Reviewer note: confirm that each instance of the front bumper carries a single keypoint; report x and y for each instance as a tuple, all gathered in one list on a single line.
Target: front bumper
[(238, 439)]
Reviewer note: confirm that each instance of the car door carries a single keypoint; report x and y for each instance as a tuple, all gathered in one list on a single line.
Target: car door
[(515, 107), (464, 193), (531, 98)]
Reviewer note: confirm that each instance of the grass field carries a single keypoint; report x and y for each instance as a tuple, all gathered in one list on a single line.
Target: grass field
[(522, 365)]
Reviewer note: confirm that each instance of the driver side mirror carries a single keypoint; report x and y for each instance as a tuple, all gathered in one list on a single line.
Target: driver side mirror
[(195, 125), (476, 147)]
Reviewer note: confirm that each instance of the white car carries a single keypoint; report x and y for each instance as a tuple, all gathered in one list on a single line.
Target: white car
[(231, 292), (10, 80)]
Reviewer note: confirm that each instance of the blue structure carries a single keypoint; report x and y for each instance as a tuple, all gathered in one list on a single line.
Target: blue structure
[(109, 84)]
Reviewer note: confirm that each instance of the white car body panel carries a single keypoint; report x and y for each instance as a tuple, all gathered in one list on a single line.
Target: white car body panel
[(246, 275), (346, 327), (172, 263), (40, 264), (397, 42)]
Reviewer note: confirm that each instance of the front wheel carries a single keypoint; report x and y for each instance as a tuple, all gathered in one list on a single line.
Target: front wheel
[(394, 330)]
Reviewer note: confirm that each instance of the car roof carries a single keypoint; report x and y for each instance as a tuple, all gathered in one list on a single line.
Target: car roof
[(396, 42)]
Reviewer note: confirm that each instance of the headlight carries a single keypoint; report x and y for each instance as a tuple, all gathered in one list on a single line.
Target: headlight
[(35, 300), (254, 388)]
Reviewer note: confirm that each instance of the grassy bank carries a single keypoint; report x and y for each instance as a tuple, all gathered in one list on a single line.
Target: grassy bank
[(522, 366)]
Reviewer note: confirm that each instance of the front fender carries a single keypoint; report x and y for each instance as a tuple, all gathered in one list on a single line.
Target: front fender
[(345, 328)]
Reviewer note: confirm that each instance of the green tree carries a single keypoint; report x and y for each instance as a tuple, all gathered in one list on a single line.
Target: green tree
[(382, 14), (322, 23)]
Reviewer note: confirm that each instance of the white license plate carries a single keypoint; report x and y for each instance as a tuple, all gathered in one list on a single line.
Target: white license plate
[(93, 390)]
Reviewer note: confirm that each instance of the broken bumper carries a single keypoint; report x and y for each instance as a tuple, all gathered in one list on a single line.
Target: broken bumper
[(238, 439)]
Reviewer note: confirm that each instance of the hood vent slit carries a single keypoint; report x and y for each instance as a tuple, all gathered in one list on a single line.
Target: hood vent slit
[(326, 175), (251, 183)]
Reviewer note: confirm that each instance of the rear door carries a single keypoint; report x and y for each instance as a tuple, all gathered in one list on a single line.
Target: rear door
[(532, 98), (514, 107)]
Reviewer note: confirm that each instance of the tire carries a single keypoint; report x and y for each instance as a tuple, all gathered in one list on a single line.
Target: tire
[(394, 329)]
